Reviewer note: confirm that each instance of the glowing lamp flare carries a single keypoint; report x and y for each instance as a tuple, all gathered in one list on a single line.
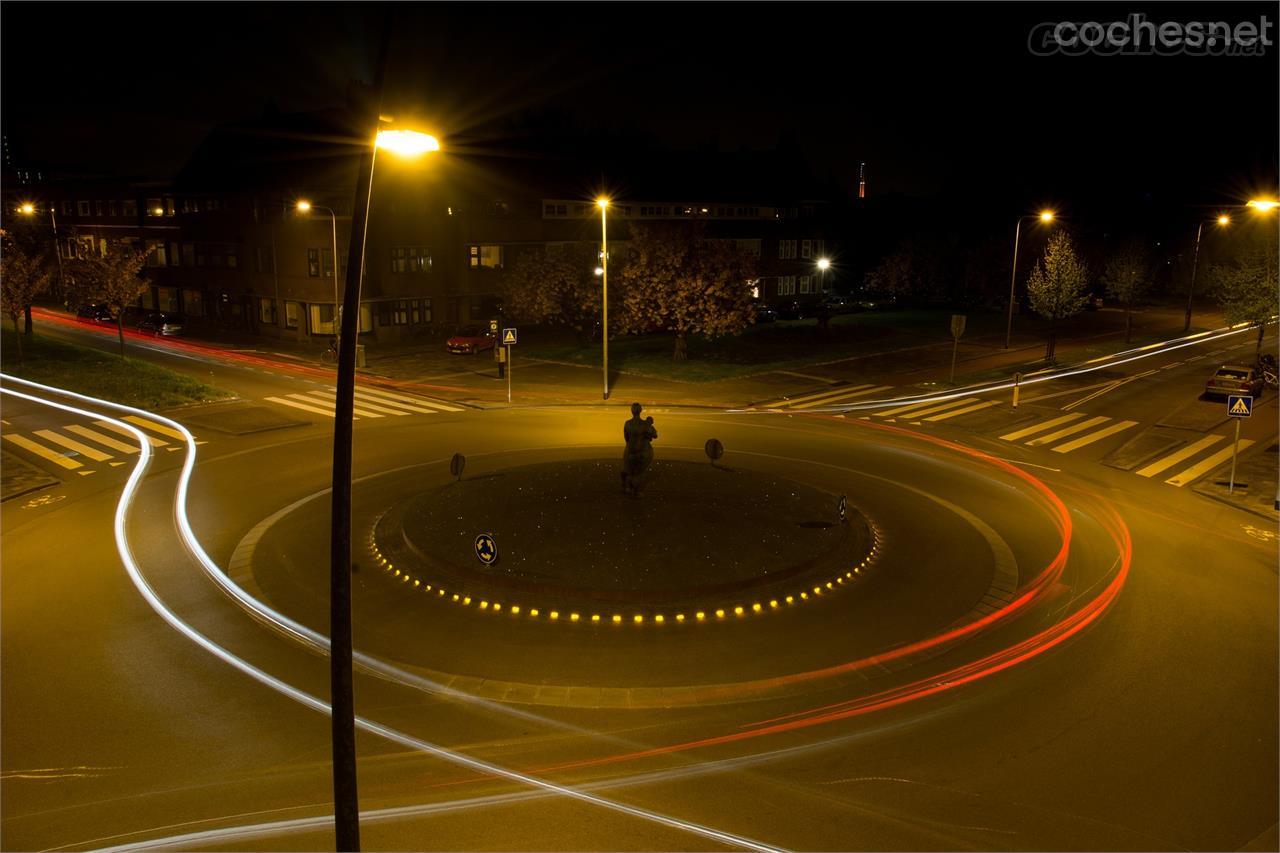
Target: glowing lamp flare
[(27, 208), (1263, 205), (1224, 220), (304, 206), (823, 263), (1046, 216), (407, 143)]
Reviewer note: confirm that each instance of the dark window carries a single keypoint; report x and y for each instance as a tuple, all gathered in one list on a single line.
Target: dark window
[(313, 263)]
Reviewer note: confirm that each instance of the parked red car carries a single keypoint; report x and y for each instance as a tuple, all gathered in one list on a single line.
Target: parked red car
[(470, 340)]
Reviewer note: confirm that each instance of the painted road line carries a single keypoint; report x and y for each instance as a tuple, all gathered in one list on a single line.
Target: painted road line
[(282, 401), (160, 428), (1106, 389), (394, 406), (1174, 458), (356, 411), (364, 404), (825, 379), (819, 395), (40, 450), (418, 401), (966, 410), (847, 395), (71, 444), (1205, 466), (922, 407), (950, 404), (155, 442), (1094, 436), (1068, 430), (105, 440), (1032, 430)]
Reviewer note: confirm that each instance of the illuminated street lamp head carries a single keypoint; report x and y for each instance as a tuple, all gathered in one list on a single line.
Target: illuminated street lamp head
[(407, 143), (303, 206), (1263, 205), (599, 270), (1046, 216), (823, 263), (603, 202), (28, 208), (1224, 220)]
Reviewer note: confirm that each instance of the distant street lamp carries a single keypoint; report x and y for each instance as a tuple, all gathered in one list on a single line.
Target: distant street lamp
[(305, 206), (346, 811), (603, 204), (29, 209), (1043, 216), (823, 265), (1263, 205), (1223, 220)]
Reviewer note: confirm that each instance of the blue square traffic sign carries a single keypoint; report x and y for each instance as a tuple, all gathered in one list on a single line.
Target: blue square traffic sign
[(1239, 405)]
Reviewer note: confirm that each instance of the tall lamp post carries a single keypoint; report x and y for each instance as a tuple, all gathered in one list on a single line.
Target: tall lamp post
[(29, 209), (1223, 221), (603, 204), (305, 206), (406, 143), (823, 265), (1043, 216)]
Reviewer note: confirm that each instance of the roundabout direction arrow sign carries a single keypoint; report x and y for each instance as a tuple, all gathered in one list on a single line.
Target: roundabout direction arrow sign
[(486, 549)]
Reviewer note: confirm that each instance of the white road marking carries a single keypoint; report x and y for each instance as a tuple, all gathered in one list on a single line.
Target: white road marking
[(1094, 436), (160, 428), (1068, 430), (918, 409), (846, 394), (359, 412), (40, 450), (154, 442), (104, 440), (71, 444), (282, 401), (331, 397), (1174, 458), (1205, 466), (1032, 430), (418, 401), (966, 410)]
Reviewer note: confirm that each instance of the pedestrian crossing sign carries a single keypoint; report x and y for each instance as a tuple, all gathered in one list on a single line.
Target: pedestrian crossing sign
[(1239, 406), (508, 337)]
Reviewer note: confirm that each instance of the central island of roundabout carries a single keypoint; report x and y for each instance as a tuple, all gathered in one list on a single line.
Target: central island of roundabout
[(824, 558), (558, 541)]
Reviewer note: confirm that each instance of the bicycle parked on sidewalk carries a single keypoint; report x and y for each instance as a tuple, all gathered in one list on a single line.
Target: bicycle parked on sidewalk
[(330, 356)]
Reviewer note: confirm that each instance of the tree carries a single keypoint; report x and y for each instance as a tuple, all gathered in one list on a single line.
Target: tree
[(1058, 286), (112, 279), (1246, 288), (678, 280), (560, 288), (913, 271), (23, 277), (1127, 276)]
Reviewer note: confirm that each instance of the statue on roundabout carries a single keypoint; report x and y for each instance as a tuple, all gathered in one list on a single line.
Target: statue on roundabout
[(639, 434)]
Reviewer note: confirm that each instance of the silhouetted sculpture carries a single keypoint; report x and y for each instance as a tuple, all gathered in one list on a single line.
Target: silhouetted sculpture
[(639, 433)]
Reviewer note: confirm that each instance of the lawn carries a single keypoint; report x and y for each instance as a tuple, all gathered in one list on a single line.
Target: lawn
[(89, 371), (773, 346)]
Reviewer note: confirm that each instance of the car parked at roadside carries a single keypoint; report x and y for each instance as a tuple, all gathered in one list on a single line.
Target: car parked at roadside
[(471, 339), (95, 312), (162, 323), (765, 314), (1233, 379)]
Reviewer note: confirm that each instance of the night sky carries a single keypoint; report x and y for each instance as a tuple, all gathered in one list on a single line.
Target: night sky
[(941, 100)]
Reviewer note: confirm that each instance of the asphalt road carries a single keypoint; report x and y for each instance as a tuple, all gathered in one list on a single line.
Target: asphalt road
[(1111, 703)]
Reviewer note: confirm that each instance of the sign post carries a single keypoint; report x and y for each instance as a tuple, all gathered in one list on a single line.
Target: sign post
[(1017, 378), (957, 329), (1239, 406), (508, 341)]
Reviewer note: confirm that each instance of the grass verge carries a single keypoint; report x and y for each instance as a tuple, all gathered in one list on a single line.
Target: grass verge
[(89, 371)]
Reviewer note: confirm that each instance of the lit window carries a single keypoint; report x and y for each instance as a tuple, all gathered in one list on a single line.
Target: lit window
[(806, 284), (486, 256), (313, 263), (806, 248)]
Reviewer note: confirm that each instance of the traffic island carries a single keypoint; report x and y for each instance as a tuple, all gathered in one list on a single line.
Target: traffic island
[(560, 542)]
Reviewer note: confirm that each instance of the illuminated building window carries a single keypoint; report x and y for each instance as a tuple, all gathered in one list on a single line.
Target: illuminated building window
[(806, 284), (806, 248), (786, 249), (267, 311), (313, 263), (292, 310), (786, 285), (485, 256)]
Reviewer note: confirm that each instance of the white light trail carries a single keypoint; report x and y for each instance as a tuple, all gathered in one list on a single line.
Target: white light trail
[(300, 696)]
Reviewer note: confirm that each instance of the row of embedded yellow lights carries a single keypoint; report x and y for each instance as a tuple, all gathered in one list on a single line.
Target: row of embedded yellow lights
[(567, 615)]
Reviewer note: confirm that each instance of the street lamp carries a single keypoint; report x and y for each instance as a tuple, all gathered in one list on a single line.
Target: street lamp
[(603, 204), (29, 209), (304, 206), (823, 265), (1223, 221), (1043, 216), (1263, 205), (406, 143)]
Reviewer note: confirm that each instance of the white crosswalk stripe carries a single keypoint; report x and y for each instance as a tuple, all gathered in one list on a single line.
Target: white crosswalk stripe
[(295, 404), (1084, 440), (406, 398), (1206, 465), (917, 410), (1035, 428), (104, 440), (331, 397), (40, 450), (1068, 430), (317, 400), (833, 398), (71, 446), (1174, 458), (369, 403), (976, 407)]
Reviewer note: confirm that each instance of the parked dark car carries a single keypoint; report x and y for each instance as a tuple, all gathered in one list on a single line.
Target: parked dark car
[(791, 311), (765, 314), (836, 304), (162, 323), (95, 312), (470, 340)]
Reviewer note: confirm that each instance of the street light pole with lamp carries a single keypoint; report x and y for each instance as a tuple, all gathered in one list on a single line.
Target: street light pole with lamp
[(29, 209), (823, 265), (603, 204), (1043, 216), (1222, 221), (406, 143), (304, 206)]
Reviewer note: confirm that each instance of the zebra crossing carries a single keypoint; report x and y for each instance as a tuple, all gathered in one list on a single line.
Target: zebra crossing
[(369, 403), (78, 446), (829, 397)]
